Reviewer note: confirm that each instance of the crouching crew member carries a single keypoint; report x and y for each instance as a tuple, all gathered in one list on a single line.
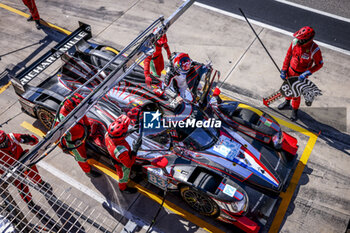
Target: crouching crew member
[(74, 140), (119, 149), (11, 151)]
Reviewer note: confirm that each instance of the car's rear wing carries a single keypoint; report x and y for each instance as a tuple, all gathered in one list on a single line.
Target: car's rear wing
[(23, 78)]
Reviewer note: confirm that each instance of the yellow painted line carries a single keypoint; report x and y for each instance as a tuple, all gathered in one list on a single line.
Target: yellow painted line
[(307, 151), (294, 127), (167, 204), (41, 21), (177, 210), (14, 10), (110, 172), (57, 28), (287, 196), (32, 129), (3, 88)]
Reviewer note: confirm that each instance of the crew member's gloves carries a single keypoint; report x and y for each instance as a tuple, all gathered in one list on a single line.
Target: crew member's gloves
[(169, 55), (133, 114), (283, 74), (148, 80), (137, 144), (304, 75), (133, 129), (30, 139)]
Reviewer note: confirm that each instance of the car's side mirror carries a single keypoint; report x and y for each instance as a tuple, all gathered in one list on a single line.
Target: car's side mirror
[(216, 92), (160, 162)]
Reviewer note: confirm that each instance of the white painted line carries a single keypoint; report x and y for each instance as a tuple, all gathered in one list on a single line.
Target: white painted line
[(102, 200), (314, 10), (260, 24)]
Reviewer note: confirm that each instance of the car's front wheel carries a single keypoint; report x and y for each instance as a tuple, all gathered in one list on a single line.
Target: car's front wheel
[(199, 201), (46, 117)]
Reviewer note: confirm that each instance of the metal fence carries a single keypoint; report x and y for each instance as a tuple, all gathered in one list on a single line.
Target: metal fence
[(41, 209)]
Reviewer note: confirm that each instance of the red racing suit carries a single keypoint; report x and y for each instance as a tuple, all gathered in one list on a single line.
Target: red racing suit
[(299, 59), (154, 64), (32, 8), (123, 158), (13, 152), (74, 140)]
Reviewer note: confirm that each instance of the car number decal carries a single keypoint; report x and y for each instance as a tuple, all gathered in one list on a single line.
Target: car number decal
[(229, 190), (227, 148), (156, 180)]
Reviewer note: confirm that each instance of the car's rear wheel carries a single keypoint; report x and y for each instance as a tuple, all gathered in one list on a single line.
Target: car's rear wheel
[(46, 117), (199, 201)]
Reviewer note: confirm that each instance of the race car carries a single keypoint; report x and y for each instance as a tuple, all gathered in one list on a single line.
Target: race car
[(228, 160)]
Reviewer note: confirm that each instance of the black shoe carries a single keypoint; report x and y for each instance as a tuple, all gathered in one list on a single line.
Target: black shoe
[(37, 24), (284, 105), (294, 116), (30, 18), (129, 190), (93, 174)]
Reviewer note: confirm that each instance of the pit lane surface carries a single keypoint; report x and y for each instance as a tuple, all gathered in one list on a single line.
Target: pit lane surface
[(330, 30), (321, 200)]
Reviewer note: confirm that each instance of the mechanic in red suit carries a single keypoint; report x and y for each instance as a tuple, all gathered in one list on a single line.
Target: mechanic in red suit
[(74, 140), (303, 59), (154, 64), (11, 151), (119, 149), (34, 12)]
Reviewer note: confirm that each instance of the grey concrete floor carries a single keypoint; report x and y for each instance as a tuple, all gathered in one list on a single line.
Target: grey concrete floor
[(321, 202)]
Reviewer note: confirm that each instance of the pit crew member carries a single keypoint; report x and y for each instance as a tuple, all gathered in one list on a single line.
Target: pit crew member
[(74, 140), (119, 149), (303, 58)]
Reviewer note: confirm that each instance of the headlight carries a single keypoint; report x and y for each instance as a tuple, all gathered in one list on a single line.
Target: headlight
[(277, 140), (239, 206)]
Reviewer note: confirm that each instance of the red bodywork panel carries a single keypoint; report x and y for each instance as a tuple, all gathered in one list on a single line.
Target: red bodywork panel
[(160, 162), (289, 143), (243, 223)]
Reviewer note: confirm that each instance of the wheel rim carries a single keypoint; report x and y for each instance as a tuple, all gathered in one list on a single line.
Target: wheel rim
[(46, 118), (199, 202)]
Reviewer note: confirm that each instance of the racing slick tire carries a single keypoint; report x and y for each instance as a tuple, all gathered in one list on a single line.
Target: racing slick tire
[(199, 201), (46, 117)]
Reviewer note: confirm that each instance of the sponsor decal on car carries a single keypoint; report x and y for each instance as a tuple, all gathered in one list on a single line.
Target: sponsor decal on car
[(153, 120)]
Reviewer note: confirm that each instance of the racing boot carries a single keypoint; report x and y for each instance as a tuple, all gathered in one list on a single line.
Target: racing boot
[(294, 116), (93, 174), (129, 190), (284, 105)]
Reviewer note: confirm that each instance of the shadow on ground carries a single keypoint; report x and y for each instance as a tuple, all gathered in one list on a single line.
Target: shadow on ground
[(332, 130), (109, 188), (12, 70)]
